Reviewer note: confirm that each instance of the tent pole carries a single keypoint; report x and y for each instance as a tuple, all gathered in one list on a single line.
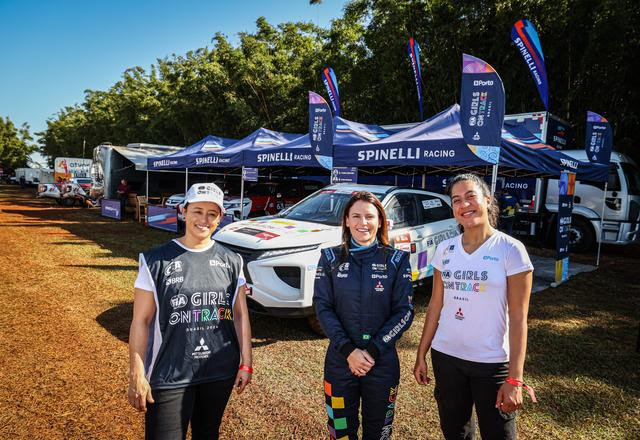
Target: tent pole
[(147, 187), (494, 178), (604, 197), (242, 194), (186, 180), (424, 181)]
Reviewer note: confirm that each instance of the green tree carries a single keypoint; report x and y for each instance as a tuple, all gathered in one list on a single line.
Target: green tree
[(230, 90), (15, 145)]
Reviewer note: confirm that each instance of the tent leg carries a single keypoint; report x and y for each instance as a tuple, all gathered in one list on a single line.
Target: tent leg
[(186, 180), (147, 186), (424, 181), (604, 197), (242, 194), (494, 178)]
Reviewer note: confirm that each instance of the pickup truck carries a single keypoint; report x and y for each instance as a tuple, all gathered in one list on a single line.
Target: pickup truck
[(280, 252)]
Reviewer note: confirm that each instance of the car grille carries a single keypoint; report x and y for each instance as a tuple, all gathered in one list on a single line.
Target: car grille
[(248, 255)]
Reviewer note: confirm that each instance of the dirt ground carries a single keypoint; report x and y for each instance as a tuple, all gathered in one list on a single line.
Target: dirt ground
[(67, 277)]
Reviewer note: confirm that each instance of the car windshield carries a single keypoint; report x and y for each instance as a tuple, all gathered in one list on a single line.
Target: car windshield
[(325, 206)]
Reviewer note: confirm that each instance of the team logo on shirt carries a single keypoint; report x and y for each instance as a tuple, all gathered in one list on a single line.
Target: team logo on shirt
[(344, 267), (174, 280), (445, 262), (201, 351), (218, 263), (446, 274), (179, 301), (379, 287), (378, 267), (459, 314), (488, 257), (173, 267)]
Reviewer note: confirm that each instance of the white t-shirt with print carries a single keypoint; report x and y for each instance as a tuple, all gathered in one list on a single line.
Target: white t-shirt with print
[(474, 323)]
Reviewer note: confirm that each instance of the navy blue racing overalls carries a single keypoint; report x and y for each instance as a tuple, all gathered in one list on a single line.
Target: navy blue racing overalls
[(363, 301)]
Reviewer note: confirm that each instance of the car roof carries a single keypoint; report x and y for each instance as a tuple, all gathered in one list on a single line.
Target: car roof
[(380, 189)]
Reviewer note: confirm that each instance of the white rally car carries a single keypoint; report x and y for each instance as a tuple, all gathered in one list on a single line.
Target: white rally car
[(281, 252)]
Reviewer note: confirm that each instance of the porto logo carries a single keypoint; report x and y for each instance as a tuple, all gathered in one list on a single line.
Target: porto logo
[(174, 266), (459, 314), (379, 287), (178, 301), (217, 263)]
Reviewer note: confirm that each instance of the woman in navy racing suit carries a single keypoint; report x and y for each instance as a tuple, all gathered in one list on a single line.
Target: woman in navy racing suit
[(363, 300)]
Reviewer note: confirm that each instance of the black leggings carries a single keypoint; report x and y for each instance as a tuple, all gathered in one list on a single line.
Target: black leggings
[(461, 385), (203, 405)]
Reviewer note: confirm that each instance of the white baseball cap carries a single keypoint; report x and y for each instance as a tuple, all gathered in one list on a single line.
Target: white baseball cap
[(205, 192)]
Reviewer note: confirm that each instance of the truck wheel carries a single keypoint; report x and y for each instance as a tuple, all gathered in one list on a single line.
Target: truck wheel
[(581, 235), (315, 325)]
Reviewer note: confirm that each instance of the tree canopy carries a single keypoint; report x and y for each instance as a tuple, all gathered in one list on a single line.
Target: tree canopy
[(230, 90), (15, 145)]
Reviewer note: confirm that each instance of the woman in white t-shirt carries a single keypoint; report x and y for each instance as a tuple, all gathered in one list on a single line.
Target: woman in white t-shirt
[(476, 323)]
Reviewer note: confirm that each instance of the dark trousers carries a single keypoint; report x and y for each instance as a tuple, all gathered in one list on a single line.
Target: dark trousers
[(461, 385), (344, 392), (203, 405), (123, 203), (506, 224)]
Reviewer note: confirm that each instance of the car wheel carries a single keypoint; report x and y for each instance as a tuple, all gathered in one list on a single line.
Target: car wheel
[(314, 323), (581, 235)]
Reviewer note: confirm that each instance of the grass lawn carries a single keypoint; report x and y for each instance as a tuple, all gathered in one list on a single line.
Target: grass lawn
[(67, 277)]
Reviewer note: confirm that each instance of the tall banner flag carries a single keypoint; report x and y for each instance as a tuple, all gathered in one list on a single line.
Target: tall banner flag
[(566, 187), (321, 130), (481, 108), (526, 39), (331, 83), (598, 138), (414, 55)]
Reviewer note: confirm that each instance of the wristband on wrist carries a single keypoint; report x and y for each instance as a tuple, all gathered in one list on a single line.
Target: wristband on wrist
[(246, 368), (519, 383)]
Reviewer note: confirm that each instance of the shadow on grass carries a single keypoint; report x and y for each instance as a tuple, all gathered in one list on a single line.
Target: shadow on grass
[(117, 320), (105, 266), (265, 330), (122, 238)]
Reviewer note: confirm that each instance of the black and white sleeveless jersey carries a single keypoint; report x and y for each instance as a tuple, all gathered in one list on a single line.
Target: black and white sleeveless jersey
[(192, 338)]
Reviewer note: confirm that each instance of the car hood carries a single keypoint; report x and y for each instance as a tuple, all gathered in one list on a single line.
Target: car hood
[(277, 233)]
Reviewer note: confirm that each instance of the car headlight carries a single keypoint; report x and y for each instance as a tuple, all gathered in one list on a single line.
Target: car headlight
[(286, 251)]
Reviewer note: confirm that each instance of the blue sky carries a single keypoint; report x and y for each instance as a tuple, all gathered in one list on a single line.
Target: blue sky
[(54, 50)]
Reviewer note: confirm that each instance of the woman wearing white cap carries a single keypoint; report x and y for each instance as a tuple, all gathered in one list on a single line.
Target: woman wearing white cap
[(190, 337)]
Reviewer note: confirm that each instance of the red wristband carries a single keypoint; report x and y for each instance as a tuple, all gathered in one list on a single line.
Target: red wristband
[(519, 383), (246, 368)]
